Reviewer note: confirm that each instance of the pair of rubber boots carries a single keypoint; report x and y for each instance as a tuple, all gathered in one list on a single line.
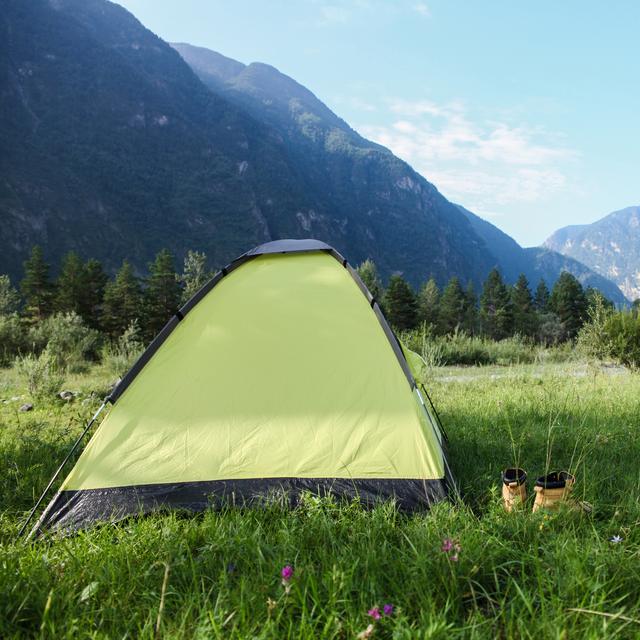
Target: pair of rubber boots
[(551, 490)]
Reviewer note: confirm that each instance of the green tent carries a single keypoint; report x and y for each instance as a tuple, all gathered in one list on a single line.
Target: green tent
[(280, 376)]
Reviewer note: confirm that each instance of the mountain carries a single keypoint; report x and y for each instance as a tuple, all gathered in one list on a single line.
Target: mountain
[(537, 262), (609, 246), (318, 140), (113, 147)]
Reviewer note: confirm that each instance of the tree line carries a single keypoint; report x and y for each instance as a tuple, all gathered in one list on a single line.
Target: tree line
[(112, 305), (499, 311), (108, 305)]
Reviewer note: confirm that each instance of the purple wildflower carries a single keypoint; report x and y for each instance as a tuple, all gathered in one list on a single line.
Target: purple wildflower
[(447, 545), (454, 557), (374, 613), (287, 573), (387, 609)]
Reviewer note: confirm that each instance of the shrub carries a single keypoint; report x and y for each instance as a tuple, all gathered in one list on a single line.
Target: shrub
[(119, 355), (12, 338), (551, 331), (622, 331), (40, 374), (67, 339), (610, 334), (593, 338)]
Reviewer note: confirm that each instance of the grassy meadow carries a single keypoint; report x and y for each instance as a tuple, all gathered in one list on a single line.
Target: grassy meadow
[(218, 575)]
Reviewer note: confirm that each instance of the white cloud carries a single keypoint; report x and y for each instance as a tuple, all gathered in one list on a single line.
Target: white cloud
[(485, 164), (422, 9)]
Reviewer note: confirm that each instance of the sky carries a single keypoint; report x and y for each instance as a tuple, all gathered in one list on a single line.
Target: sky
[(528, 114)]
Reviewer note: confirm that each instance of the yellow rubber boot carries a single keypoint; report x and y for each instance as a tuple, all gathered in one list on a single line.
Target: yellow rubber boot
[(553, 489), (514, 490)]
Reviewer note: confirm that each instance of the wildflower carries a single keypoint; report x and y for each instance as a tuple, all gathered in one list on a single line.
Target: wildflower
[(367, 633), (374, 613), (615, 539), (387, 609), (287, 572), (453, 547), (231, 568), (271, 605)]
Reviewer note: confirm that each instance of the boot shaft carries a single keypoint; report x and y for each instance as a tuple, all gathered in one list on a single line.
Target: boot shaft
[(514, 490), (553, 489)]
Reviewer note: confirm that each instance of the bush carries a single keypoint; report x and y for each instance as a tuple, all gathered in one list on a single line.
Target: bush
[(67, 339), (593, 338), (40, 374), (119, 355), (610, 334), (12, 338), (551, 331), (622, 330)]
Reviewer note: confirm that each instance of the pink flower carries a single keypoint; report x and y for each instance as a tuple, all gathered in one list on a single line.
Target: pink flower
[(287, 573), (454, 557), (387, 609), (447, 545), (374, 613)]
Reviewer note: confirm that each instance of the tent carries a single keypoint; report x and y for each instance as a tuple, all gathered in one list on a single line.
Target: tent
[(280, 376)]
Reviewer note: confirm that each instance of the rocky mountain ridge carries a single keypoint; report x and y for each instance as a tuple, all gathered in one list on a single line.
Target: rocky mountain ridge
[(610, 247)]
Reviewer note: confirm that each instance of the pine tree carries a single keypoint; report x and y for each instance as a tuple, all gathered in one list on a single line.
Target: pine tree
[(569, 302), (162, 295), (524, 315), (94, 282), (368, 273), (36, 287), (70, 284), (452, 307), (470, 312), (195, 274), (122, 302), (399, 303), (541, 300), (9, 297), (496, 311), (429, 303)]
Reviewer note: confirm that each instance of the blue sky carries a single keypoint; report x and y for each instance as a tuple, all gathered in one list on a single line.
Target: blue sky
[(526, 113)]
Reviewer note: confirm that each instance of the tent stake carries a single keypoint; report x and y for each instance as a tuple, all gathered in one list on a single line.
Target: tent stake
[(64, 462)]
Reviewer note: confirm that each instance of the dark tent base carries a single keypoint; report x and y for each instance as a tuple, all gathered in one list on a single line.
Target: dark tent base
[(73, 510)]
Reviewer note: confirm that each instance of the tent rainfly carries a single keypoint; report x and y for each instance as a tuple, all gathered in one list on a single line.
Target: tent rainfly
[(280, 376)]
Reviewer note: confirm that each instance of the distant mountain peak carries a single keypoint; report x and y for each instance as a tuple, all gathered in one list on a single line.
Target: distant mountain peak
[(537, 262), (610, 246)]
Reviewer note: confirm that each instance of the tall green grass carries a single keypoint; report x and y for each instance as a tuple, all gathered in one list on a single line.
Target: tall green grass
[(460, 348), (217, 575)]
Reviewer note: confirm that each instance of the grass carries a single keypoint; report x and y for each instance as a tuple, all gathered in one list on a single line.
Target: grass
[(217, 575), (460, 348)]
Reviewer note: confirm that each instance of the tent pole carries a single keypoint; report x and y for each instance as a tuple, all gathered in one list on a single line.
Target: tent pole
[(64, 462), (435, 413), (444, 435)]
